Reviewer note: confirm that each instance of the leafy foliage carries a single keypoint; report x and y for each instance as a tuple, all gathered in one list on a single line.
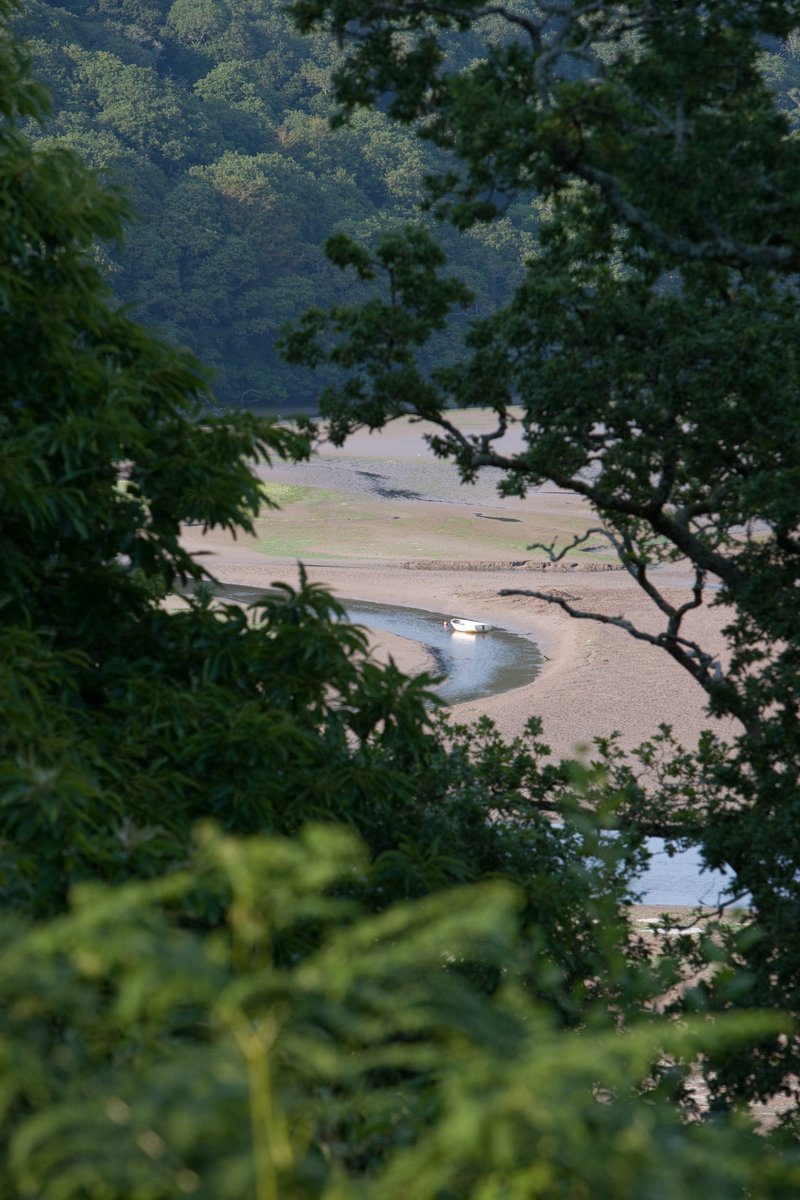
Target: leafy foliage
[(300, 1015), (142, 1059), (125, 718), (649, 356)]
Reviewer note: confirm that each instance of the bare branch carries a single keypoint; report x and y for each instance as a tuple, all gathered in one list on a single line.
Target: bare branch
[(701, 665), (533, 30), (578, 540), (498, 432), (637, 567)]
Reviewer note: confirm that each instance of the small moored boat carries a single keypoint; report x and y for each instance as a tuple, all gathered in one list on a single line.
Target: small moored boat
[(462, 625)]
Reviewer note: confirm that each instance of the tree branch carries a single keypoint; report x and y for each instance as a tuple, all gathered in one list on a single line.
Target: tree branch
[(720, 249), (691, 656), (652, 513), (577, 540)]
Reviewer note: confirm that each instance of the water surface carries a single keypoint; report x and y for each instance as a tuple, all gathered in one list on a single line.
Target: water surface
[(474, 665), (679, 879)]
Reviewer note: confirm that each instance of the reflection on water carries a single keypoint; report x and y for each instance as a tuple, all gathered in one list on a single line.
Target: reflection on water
[(678, 879), (475, 665)]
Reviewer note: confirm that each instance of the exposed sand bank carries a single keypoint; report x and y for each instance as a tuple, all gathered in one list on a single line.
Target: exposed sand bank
[(382, 520)]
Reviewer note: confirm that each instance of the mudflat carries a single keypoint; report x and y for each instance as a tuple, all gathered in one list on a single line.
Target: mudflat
[(382, 519)]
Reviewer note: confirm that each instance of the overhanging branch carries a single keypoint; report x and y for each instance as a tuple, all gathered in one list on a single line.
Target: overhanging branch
[(701, 665)]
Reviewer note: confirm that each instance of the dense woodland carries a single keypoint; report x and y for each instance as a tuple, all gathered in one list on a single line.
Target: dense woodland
[(273, 928), (215, 118)]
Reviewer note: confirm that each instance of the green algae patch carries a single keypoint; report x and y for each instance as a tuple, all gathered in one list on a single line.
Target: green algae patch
[(284, 494)]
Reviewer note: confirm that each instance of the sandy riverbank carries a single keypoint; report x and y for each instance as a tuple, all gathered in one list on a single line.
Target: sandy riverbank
[(382, 520)]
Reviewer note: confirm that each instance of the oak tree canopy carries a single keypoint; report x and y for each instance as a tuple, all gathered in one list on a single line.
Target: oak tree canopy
[(649, 355)]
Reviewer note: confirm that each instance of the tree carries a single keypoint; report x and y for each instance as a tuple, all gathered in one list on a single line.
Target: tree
[(125, 720), (143, 1059), (151, 104), (197, 22), (649, 355)]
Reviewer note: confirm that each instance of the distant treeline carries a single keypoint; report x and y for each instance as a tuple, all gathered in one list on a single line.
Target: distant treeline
[(214, 116)]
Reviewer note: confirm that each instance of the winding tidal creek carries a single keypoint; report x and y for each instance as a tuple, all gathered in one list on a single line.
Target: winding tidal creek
[(472, 666)]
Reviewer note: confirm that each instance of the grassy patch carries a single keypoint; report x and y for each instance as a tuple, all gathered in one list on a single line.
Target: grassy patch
[(284, 494)]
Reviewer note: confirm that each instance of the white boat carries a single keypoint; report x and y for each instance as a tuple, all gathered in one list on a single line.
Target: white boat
[(462, 625)]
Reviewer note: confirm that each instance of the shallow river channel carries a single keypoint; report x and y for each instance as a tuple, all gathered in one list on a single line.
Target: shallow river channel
[(474, 666)]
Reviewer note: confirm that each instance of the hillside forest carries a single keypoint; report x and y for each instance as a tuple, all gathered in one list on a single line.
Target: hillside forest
[(214, 117)]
